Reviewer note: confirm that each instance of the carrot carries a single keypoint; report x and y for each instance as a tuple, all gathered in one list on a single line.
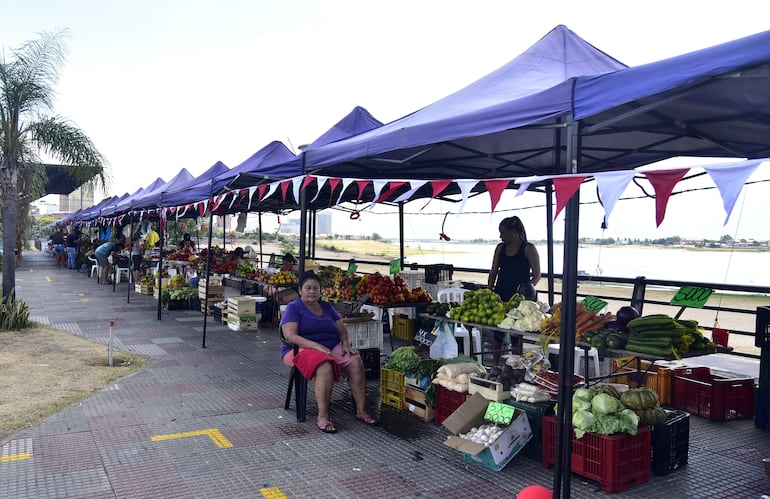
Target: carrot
[(595, 324), (580, 308), (584, 319)]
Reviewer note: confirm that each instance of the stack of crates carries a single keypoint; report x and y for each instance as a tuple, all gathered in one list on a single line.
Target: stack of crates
[(762, 340), (447, 401), (403, 327), (244, 312), (412, 278), (653, 376), (215, 293), (618, 462), (699, 391), (391, 387), (671, 443)]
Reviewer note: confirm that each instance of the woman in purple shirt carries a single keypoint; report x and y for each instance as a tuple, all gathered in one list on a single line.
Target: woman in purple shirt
[(324, 350)]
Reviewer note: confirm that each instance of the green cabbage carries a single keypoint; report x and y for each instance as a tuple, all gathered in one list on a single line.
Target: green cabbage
[(582, 394), (581, 405), (603, 404), (582, 421)]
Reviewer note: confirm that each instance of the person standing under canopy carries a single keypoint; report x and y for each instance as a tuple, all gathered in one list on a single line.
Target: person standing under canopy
[(515, 268)]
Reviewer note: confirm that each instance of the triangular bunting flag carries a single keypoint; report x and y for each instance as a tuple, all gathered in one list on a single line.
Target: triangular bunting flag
[(414, 186), (320, 181), (466, 186), (730, 179), (565, 188), (439, 186), (284, 187), (495, 189), (664, 182), (361, 186), (392, 188), (296, 182), (611, 186), (345, 183)]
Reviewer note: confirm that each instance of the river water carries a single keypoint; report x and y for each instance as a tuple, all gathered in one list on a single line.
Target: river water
[(677, 264)]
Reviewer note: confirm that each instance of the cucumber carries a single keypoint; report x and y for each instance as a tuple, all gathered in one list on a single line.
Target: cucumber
[(662, 333), (650, 350), (650, 341)]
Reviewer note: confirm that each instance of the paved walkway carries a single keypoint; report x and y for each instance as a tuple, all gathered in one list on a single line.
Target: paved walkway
[(210, 422)]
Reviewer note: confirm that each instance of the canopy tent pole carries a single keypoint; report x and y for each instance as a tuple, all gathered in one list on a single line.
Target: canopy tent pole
[(302, 231), (259, 219), (562, 473), (314, 232), (130, 260), (161, 230), (549, 240), (208, 273), (401, 233)]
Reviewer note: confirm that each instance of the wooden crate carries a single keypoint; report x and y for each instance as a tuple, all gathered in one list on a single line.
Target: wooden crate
[(413, 402), (490, 390)]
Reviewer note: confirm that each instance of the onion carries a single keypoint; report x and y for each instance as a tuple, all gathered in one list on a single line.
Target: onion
[(626, 314)]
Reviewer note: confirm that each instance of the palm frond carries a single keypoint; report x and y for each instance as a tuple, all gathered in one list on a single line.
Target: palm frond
[(36, 67), (68, 143)]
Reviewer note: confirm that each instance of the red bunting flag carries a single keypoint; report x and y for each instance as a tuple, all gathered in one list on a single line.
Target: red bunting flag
[(361, 186), (565, 188), (664, 182), (333, 183), (307, 180), (495, 189), (284, 187), (438, 186), (392, 188)]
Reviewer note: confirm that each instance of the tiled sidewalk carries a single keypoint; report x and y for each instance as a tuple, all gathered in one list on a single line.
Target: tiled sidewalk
[(209, 422)]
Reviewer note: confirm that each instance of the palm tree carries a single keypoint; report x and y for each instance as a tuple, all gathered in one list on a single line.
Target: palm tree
[(27, 130)]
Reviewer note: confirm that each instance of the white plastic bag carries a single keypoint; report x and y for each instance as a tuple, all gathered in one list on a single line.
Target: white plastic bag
[(444, 345)]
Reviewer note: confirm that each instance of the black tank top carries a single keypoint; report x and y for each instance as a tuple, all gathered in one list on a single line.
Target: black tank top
[(513, 271)]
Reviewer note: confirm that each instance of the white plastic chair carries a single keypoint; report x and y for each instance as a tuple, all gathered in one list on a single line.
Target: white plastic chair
[(119, 271), (448, 295), (94, 267), (580, 366)]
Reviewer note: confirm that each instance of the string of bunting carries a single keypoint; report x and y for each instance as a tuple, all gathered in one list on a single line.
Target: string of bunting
[(729, 179)]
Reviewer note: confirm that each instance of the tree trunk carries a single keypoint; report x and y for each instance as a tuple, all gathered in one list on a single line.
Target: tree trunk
[(9, 183), (22, 223)]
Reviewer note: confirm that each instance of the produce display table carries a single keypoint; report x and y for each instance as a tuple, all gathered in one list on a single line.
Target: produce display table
[(518, 334)]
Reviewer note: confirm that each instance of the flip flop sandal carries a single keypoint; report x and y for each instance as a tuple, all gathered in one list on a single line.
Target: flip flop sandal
[(367, 419), (327, 427)]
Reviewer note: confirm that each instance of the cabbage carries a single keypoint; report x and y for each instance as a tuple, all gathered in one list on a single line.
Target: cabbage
[(582, 421), (630, 421), (583, 394), (580, 405), (605, 404)]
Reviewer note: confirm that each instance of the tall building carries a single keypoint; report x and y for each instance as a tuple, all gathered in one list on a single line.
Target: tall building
[(82, 197), (324, 223)]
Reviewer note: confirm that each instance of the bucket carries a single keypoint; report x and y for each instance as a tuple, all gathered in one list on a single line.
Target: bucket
[(720, 336)]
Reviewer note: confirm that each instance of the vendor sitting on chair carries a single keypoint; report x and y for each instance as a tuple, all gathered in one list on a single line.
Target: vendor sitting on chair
[(316, 328)]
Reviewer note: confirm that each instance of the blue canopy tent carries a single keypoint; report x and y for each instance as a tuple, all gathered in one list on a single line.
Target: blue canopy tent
[(126, 204), (712, 102), (153, 198), (194, 190)]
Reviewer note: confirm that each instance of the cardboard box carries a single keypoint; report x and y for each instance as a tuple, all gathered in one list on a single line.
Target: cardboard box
[(500, 452)]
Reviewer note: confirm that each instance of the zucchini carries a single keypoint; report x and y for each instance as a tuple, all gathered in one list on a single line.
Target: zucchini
[(662, 333), (658, 351), (649, 341)]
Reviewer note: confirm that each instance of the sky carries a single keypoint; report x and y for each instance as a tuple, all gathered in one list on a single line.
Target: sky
[(160, 85)]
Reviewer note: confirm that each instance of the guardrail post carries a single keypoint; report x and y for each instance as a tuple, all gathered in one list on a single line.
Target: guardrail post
[(637, 296)]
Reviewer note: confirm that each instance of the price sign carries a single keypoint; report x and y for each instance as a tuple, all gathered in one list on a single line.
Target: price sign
[(499, 413), (691, 296), (395, 266), (352, 268), (593, 303)]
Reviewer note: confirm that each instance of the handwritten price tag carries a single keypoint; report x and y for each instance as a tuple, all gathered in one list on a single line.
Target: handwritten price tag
[(593, 303), (352, 268), (691, 296), (499, 413), (395, 266)]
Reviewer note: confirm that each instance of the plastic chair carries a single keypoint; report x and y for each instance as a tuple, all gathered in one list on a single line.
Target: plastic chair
[(471, 341), (119, 271), (298, 383), (448, 295), (580, 366), (94, 267)]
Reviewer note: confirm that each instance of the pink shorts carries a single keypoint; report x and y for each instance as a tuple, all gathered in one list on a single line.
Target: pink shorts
[(342, 360)]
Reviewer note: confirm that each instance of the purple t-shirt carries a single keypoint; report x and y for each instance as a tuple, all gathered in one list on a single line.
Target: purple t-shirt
[(319, 328)]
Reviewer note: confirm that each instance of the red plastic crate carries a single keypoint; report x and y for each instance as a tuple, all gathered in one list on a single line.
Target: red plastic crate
[(446, 402), (698, 391), (618, 462)]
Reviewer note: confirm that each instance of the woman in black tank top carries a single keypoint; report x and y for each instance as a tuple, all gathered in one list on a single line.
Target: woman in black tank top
[(516, 263)]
